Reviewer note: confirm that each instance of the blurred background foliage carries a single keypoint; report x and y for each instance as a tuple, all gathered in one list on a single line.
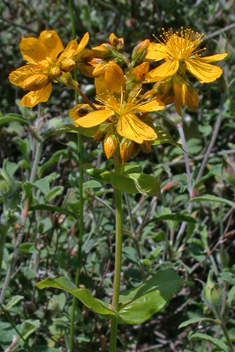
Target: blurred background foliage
[(49, 245)]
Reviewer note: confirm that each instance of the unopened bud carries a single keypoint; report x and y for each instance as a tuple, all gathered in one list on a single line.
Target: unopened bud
[(140, 50), (102, 50), (120, 44), (67, 65), (113, 39), (212, 292), (109, 144), (125, 151)]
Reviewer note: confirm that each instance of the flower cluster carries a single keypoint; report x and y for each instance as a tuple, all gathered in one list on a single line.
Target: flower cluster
[(181, 55), (121, 117)]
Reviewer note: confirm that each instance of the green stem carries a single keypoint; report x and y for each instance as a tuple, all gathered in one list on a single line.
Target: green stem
[(3, 229), (223, 326), (118, 262), (79, 142)]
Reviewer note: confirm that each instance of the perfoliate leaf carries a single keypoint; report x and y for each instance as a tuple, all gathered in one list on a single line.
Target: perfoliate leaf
[(141, 303), (83, 295)]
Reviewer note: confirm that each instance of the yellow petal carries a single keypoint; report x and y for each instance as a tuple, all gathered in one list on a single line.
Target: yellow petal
[(165, 70), (81, 110), (18, 76), (82, 44), (53, 43), (114, 78), (156, 52), (102, 91), (94, 118), (33, 50), (152, 105), (33, 98), (69, 51), (211, 58), (35, 82), (100, 69), (204, 72), (131, 127)]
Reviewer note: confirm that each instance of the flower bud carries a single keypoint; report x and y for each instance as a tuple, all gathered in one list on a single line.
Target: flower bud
[(125, 151), (140, 50), (113, 39), (109, 144), (120, 44), (67, 65), (55, 71), (212, 292), (141, 71), (180, 92), (102, 51)]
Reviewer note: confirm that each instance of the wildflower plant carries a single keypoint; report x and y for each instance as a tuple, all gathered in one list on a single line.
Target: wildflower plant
[(127, 92)]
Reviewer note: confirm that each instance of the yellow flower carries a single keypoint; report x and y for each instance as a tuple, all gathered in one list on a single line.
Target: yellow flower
[(124, 111), (44, 64), (180, 54)]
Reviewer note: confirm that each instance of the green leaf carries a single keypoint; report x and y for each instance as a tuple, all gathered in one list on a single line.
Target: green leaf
[(41, 348), (53, 208), (88, 132), (28, 247), (28, 327), (210, 198), (208, 338), (122, 183), (43, 185), (91, 184), (155, 253), (193, 321), (57, 156), (142, 302), (83, 295), (180, 217), (160, 236), (129, 168), (130, 254), (164, 137), (13, 302), (146, 184), (14, 117)]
